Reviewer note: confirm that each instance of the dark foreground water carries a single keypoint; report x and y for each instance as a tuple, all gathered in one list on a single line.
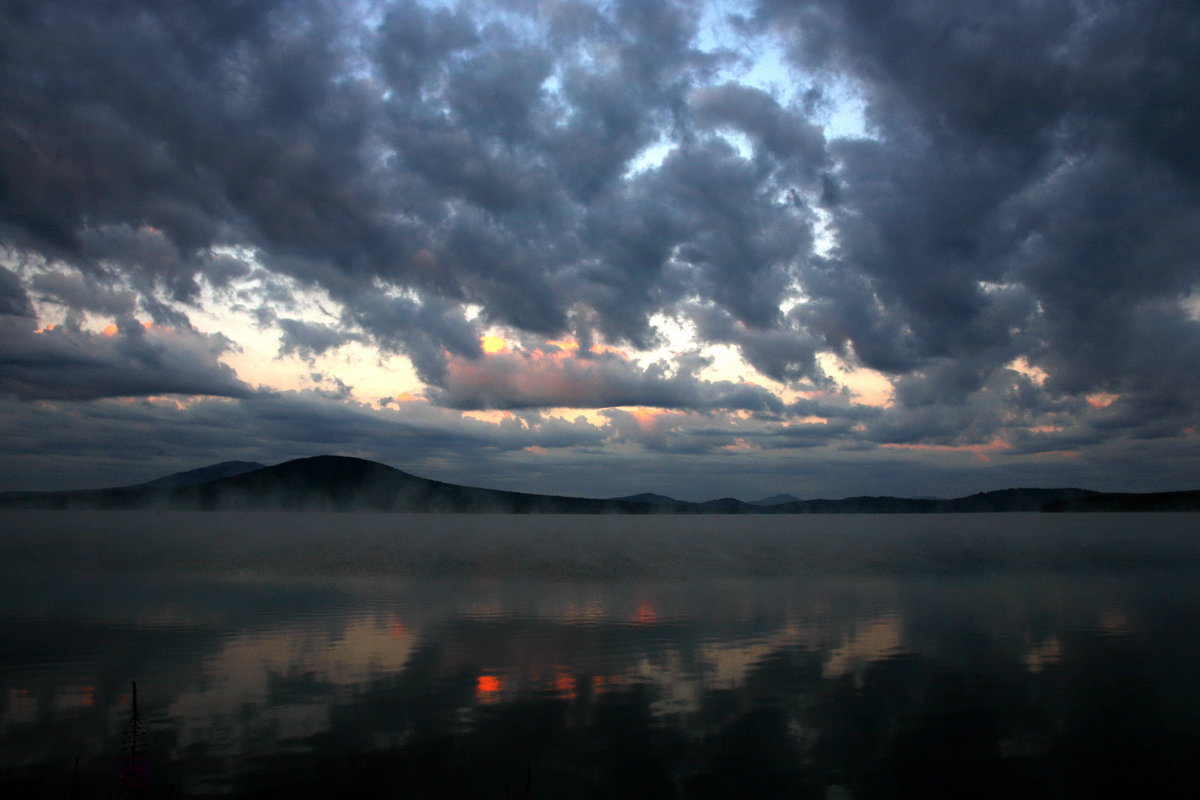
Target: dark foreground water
[(400, 656)]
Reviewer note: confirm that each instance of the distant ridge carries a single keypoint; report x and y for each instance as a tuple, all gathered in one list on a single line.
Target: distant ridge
[(321, 483), (339, 483), (226, 469), (648, 497), (775, 500)]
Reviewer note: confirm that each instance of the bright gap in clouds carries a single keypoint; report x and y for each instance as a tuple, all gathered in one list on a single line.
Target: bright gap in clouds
[(760, 62), (650, 158), (358, 370), (370, 373), (373, 374)]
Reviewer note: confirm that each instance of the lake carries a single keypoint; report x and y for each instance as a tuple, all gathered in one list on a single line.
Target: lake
[(390, 655)]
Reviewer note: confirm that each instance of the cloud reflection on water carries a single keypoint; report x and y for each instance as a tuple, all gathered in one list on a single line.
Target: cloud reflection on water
[(979, 683), (791, 682)]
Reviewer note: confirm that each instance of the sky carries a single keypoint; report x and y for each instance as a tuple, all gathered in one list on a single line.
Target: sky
[(706, 249)]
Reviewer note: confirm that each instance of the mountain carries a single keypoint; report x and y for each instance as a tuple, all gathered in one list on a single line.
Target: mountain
[(650, 498), (855, 505), (322, 483), (225, 469), (338, 483), (774, 500), (1002, 500)]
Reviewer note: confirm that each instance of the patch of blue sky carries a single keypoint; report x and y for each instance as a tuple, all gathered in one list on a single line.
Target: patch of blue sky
[(757, 59)]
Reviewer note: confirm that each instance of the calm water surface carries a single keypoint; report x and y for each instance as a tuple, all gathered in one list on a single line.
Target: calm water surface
[(409, 656)]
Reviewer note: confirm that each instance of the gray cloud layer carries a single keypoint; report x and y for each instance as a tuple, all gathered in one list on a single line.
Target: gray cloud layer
[(70, 364), (1030, 189), (1031, 193)]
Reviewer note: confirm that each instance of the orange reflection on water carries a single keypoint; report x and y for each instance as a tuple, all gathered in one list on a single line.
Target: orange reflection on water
[(564, 684), (1043, 654), (601, 683), (873, 640), (1116, 622), (488, 688), (645, 614)]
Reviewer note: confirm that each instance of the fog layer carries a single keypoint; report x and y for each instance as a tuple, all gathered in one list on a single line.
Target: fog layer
[(604, 547)]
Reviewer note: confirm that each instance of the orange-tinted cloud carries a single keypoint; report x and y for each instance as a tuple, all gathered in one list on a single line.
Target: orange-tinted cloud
[(565, 377), (983, 452), (1057, 454), (649, 419), (1102, 399), (112, 330), (568, 345)]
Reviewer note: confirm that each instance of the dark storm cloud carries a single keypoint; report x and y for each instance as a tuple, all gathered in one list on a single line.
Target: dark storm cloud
[(429, 332), (197, 122), (784, 351), (1031, 191), (69, 364), (307, 339), (782, 135), (462, 157), (13, 299), (706, 224), (83, 293)]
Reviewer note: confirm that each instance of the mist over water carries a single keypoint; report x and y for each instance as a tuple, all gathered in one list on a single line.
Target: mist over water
[(607, 547), (375, 655)]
